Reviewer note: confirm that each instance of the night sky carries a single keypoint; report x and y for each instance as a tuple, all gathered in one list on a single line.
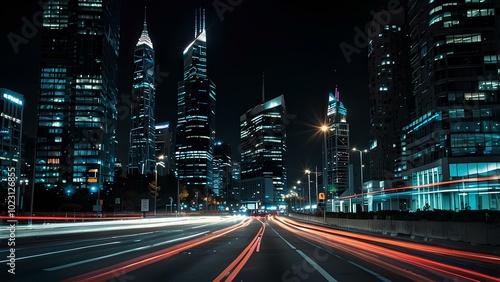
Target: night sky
[(296, 45)]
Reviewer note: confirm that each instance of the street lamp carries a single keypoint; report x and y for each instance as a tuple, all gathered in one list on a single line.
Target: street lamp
[(178, 193), (156, 177), (325, 128), (301, 194), (361, 176), (309, 188)]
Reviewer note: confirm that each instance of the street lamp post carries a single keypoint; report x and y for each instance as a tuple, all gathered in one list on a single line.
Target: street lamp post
[(309, 188), (178, 194), (361, 176), (301, 194), (156, 178), (325, 128)]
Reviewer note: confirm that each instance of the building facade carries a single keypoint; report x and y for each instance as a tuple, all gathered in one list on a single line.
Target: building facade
[(195, 132), (452, 147), (142, 152), (222, 170), (391, 100), (234, 193), (11, 132), (164, 148), (337, 147), (75, 144), (263, 147)]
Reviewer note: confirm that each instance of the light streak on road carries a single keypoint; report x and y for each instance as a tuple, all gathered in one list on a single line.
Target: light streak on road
[(414, 246), (375, 253), (235, 267), (124, 267)]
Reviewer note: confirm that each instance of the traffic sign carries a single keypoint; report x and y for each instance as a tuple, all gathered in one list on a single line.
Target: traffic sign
[(144, 205)]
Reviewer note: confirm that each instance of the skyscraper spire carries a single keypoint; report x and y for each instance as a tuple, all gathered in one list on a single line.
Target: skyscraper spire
[(145, 24), (144, 39), (337, 93)]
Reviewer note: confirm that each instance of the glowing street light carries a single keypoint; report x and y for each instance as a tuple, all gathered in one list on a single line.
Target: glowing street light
[(309, 188)]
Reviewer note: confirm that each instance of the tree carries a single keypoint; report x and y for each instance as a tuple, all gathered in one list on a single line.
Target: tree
[(153, 189), (183, 192)]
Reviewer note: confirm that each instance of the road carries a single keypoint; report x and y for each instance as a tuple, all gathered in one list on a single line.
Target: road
[(220, 248)]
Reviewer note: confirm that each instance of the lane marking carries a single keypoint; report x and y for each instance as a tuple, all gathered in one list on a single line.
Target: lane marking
[(316, 266), (62, 251), (371, 272), (338, 256)]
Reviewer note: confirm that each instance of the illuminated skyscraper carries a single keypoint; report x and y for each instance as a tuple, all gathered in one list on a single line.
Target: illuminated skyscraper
[(263, 152), (455, 62), (391, 102), (337, 146), (195, 134), (11, 128), (142, 152), (222, 170), (164, 148), (75, 144)]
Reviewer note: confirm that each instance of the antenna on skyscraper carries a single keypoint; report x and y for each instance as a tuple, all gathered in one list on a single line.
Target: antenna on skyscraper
[(203, 20), (195, 23), (145, 24), (263, 96), (337, 93), (199, 21)]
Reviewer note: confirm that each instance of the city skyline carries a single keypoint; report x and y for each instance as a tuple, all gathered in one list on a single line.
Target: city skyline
[(290, 43)]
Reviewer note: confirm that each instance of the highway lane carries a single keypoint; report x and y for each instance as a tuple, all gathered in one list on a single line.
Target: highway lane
[(237, 249)]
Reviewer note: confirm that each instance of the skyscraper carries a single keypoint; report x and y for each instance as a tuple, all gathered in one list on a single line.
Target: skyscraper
[(11, 128), (222, 170), (337, 146), (164, 148), (263, 152), (75, 145), (391, 101), (455, 60), (195, 133), (142, 152)]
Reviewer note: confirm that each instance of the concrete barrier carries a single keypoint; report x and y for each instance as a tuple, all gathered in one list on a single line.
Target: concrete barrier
[(469, 232)]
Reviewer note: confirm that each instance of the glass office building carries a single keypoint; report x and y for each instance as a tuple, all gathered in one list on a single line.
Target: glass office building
[(263, 152), (391, 100), (11, 128), (222, 170), (75, 144), (142, 152), (337, 147), (164, 148), (452, 148), (195, 133)]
